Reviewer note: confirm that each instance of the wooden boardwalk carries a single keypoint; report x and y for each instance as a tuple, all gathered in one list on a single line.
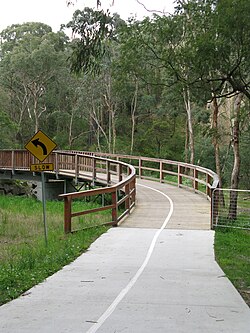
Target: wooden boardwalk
[(191, 210)]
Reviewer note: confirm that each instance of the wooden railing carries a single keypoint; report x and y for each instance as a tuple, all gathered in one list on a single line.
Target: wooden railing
[(197, 178), (117, 177), (118, 173), (124, 176)]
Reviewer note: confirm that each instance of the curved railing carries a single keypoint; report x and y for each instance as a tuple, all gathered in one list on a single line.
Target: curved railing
[(197, 178), (118, 173), (117, 177)]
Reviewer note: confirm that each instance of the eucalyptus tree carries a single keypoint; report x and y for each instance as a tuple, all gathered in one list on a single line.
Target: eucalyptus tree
[(92, 30), (31, 57), (221, 60), (93, 49), (151, 51)]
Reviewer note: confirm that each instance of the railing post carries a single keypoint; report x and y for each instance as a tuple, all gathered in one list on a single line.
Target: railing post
[(12, 162), (114, 209), (127, 194), (195, 183), (134, 190), (108, 172), (56, 166), (140, 167), (67, 215), (76, 168), (179, 175), (93, 171), (119, 172), (208, 189), (161, 172)]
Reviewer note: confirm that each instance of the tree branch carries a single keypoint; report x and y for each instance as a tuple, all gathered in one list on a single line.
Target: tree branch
[(152, 10)]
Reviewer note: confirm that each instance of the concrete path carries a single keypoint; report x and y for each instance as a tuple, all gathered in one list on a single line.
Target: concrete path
[(136, 280)]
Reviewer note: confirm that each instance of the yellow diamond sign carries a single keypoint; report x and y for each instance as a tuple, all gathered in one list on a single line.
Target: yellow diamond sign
[(40, 146)]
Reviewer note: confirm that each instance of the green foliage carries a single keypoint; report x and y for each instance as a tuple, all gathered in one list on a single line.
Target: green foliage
[(7, 127), (32, 60), (217, 48), (93, 30)]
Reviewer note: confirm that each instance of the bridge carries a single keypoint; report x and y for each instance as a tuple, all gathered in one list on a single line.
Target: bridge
[(156, 272), (116, 174)]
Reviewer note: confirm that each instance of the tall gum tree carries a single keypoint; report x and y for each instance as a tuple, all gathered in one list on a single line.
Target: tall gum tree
[(32, 56), (221, 59)]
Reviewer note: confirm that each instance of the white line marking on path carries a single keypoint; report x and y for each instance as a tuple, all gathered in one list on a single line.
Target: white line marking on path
[(124, 292)]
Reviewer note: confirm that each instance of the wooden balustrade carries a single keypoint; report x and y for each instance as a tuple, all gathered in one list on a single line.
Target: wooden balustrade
[(117, 176), (182, 174), (116, 172)]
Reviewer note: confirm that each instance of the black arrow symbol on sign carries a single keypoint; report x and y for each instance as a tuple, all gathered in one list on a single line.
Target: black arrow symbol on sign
[(36, 143)]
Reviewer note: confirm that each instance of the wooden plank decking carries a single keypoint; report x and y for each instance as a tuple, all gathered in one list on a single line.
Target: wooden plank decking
[(191, 210)]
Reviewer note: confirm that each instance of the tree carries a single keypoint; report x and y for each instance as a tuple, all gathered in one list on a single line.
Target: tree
[(31, 57), (232, 214), (219, 50), (93, 29)]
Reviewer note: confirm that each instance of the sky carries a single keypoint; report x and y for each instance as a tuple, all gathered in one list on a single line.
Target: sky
[(56, 12)]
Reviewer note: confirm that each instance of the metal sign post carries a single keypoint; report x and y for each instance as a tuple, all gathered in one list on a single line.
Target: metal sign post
[(40, 146), (44, 209)]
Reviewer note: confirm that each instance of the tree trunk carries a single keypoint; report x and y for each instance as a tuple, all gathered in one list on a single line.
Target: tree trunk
[(133, 110), (186, 143), (187, 101), (36, 114), (232, 214), (70, 130), (110, 105), (215, 141), (113, 112)]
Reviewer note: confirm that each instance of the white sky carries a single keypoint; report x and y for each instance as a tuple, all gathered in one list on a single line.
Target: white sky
[(56, 12)]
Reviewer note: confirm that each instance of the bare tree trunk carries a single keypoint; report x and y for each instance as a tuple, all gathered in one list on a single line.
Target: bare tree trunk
[(232, 214), (98, 139), (96, 118), (36, 114), (113, 112), (111, 109), (186, 143), (100, 129), (133, 110), (37, 90), (187, 101), (215, 141), (70, 130), (109, 130)]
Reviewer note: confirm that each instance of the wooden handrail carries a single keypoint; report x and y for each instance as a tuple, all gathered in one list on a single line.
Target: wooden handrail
[(198, 178), (90, 164), (119, 177)]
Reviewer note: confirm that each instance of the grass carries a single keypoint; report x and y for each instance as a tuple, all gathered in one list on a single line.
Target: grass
[(24, 258), (233, 255)]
